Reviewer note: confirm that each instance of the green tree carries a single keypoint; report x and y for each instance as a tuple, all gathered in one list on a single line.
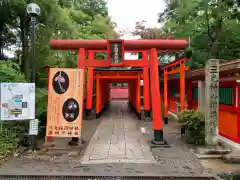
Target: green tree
[(60, 19), (210, 24)]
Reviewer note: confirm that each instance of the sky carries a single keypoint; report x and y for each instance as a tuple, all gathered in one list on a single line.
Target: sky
[(127, 12)]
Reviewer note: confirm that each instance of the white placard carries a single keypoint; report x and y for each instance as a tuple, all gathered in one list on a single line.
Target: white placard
[(17, 101), (33, 127)]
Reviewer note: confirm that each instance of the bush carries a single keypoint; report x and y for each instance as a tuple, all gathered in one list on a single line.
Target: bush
[(193, 123), (12, 135), (41, 101), (41, 110), (10, 72), (15, 133), (12, 132)]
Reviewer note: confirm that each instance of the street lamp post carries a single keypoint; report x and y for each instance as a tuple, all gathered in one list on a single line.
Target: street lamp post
[(33, 10)]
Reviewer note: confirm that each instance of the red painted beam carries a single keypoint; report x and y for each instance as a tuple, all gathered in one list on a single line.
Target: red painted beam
[(117, 77), (176, 62), (125, 63), (160, 44)]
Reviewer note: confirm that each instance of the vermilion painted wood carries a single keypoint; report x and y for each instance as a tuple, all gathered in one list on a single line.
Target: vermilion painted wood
[(119, 93), (174, 63), (90, 47), (165, 94), (161, 44), (81, 58), (49, 138), (125, 63), (156, 98), (146, 86), (89, 98), (227, 109)]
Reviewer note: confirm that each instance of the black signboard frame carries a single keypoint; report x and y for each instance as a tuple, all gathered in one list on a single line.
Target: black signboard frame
[(115, 52)]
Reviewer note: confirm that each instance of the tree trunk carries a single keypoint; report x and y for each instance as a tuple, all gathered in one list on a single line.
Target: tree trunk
[(213, 53), (1, 41), (1, 44), (24, 63)]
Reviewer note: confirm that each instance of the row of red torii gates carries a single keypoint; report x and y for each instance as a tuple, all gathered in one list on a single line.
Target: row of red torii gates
[(145, 69)]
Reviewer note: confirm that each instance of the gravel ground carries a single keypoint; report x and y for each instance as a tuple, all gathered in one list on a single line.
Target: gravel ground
[(174, 161), (177, 158)]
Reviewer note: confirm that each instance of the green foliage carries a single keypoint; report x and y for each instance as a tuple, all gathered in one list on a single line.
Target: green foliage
[(11, 133), (65, 19), (41, 101), (188, 53), (11, 136), (10, 72), (211, 25), (194, 124), (59, 19)]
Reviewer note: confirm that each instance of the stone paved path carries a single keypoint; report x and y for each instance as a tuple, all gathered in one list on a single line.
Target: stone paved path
[(118, 139), (127, 152)]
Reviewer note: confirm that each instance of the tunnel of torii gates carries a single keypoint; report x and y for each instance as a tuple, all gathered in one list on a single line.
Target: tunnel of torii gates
[(145, 69)]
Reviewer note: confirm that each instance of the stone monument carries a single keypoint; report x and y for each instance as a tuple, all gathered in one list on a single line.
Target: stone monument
[(212, 101)]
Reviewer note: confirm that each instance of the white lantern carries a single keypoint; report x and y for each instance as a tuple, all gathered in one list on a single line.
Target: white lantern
[(33, 9)]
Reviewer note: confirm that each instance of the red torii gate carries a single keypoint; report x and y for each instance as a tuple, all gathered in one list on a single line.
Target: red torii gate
[(144, 46), (171, 69)]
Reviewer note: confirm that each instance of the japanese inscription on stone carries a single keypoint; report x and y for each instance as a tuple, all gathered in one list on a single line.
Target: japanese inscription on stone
[(116, 53), (212, 100)]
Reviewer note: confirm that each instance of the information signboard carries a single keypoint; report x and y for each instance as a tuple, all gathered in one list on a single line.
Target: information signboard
[(17, 101)]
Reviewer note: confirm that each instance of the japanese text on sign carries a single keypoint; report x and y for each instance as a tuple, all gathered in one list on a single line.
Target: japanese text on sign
[(116, 52), (65, 108)]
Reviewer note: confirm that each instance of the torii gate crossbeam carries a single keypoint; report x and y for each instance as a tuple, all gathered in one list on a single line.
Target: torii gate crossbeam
[(148, 65)]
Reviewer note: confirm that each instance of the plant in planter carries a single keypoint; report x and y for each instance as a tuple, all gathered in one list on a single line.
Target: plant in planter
[(192, 126)]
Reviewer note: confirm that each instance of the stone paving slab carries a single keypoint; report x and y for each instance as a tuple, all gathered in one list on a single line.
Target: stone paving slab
[(233, 157), (174, 161), (118, 140)]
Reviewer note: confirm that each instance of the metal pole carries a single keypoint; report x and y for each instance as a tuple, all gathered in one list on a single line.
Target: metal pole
[(33, 39), (33, 67), (1, 46)]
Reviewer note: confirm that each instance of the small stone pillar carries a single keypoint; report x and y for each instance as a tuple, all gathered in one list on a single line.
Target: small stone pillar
[(201, 96), (212, 101)]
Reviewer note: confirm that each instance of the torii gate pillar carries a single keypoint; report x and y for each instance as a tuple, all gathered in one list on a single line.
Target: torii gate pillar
[(156, 100), (128, 46)]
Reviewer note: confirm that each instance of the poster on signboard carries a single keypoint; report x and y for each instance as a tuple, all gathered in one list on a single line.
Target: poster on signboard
[(65, 99), (17, 101)]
